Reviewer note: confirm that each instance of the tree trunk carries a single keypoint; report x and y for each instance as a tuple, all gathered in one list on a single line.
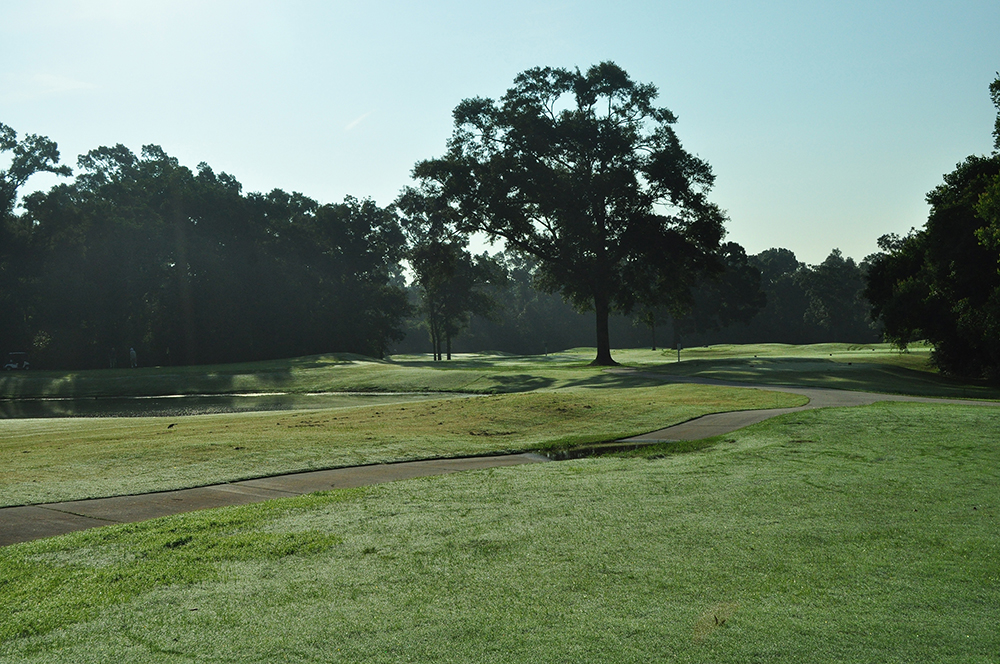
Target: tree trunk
[(447, 342), (602, 308)]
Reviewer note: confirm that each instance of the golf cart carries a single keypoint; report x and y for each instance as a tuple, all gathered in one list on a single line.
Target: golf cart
[(16, 361)]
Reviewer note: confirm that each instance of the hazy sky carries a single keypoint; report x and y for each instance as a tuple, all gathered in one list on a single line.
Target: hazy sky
[(826, 123)]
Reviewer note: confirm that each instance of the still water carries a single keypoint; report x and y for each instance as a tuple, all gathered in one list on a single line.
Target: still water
[(201, 404)]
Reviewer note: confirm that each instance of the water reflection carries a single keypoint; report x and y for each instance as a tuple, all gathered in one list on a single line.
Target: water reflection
[(201, 404)]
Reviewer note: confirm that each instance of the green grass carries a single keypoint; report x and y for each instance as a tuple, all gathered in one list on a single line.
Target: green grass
[(871, 367), (867, 368), (50, 460), (843, 535), (538, 401), (478, 373)]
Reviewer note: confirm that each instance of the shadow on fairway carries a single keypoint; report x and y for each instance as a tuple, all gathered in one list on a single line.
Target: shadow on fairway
[(495, 363), (817, 372), (615, 380), (512, 383)]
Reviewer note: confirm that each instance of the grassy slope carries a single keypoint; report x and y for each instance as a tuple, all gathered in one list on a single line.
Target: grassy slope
[(65, 459), (851, 535)]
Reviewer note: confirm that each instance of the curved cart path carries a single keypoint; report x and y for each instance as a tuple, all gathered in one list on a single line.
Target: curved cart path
[(25, 523), (30, 522), (718, 424)]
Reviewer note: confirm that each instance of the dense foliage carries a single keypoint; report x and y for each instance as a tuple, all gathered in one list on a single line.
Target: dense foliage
[(600, 209), (941, 283), (452, 285), (804, 304), (141, 252)]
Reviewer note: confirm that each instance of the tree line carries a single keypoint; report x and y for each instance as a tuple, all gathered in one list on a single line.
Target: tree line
[(579, 175), (770, 297), (582, 175), (140, 252)]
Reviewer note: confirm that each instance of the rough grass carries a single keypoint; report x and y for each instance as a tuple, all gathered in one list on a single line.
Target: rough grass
[(65, 459), (842, 535)]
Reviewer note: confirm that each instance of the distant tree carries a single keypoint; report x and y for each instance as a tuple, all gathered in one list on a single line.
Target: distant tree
[(776, 263), (837, 306), (995, 96), (527, 320), (32, 154), (782, 320), (988, 206), (352, 253), (652, 318), (584, 173), (453, 284), (719, 300), (27, 156), (726, 298), (941, 283)]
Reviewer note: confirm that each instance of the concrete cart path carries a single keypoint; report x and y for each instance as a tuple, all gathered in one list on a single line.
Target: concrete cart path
[(22, 524), (718, 424)]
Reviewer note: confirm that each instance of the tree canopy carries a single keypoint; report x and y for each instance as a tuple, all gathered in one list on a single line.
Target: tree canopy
[(584, 173), (941, 283), (139, 251), (32, 154), (580, 174)]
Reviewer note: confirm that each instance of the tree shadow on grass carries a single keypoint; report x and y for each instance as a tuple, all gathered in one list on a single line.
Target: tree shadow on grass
[(616, 380), (522, 382), (825, 373), (495, 363)]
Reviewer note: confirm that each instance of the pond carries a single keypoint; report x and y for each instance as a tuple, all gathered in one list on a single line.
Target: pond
[(202, 404)]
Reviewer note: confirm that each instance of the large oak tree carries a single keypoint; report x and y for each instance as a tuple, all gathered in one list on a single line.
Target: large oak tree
[(583, 172)]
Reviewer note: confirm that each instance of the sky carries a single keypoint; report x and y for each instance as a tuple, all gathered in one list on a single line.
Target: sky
[(825, 123)]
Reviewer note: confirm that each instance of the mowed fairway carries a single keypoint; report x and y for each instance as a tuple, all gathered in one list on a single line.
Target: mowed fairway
[(844, 535), (868, 368)]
